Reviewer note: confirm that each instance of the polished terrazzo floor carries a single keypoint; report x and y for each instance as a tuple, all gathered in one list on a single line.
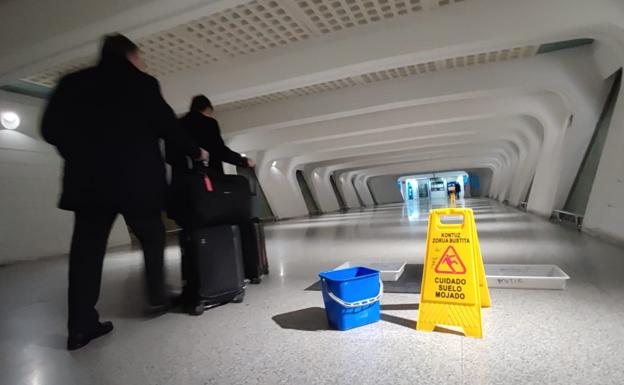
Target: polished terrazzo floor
[(279, 334)]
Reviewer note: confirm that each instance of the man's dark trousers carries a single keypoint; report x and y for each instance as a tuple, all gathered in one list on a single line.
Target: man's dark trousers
[(91, 232)]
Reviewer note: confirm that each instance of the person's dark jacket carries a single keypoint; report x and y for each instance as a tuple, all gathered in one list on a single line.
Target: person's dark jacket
[(106, 122), (206, 133)]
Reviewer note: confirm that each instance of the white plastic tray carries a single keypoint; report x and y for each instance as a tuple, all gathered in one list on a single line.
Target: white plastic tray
[(388, 271), (526, 276)]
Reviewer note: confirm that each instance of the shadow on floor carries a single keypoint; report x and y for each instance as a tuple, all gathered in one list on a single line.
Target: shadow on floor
[(440, 329), (310, 319), (408, 323), (401, 306), (314, 319), (411, 324)]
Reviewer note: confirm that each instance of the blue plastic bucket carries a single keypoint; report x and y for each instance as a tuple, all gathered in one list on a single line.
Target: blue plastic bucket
[(351, 296)]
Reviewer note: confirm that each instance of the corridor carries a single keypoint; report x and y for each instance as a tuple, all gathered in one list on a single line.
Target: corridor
[(279, 334)]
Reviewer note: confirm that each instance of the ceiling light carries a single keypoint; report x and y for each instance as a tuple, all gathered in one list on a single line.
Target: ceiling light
[(243, 155), (10, 120), (274, 164)]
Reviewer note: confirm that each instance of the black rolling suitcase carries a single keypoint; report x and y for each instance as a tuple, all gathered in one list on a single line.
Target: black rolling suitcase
[(254, 250), (212, 267)]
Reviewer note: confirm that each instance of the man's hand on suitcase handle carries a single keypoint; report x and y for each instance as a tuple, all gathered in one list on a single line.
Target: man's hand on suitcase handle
[(204, 155), (251, 163)]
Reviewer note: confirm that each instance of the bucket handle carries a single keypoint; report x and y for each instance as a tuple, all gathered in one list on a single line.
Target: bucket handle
[(363, 302)]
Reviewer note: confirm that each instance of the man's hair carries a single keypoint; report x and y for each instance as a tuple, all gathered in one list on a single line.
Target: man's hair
[(200, 103), (117, 46)]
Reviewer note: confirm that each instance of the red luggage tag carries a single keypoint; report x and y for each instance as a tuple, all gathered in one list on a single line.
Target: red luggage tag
[(208, 183)]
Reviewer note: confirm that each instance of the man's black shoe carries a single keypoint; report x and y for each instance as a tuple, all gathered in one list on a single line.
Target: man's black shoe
[(78, 340)]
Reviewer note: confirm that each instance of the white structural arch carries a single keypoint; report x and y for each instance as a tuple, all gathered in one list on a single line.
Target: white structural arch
[(551, 109)]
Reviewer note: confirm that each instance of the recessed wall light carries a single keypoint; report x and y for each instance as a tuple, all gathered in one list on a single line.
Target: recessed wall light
[(10, 120), (274, 164)]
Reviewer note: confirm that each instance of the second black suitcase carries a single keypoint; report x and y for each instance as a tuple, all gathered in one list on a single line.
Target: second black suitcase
[(254, 250), (212, 267)]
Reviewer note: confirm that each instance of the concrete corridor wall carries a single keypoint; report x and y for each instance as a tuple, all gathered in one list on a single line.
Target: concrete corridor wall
[(385, 189), (31, 226)]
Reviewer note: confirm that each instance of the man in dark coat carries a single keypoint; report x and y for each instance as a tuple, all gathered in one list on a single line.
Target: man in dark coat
[(106, 122), (199, 124)]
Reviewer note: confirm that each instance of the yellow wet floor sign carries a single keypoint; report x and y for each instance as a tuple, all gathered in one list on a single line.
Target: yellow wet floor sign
[(453, 285)]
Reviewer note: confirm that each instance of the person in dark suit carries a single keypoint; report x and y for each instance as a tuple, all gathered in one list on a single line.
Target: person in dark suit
[(203, 128), (200, 125), (106, 122)]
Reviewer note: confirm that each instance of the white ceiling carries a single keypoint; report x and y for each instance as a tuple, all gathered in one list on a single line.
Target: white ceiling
[(265, 24), (394, 73)]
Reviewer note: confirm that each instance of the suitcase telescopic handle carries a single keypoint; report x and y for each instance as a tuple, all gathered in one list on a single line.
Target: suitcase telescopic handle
[(363, 302), (200, 165)]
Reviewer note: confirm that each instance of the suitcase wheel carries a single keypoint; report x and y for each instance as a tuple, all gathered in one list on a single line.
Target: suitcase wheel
[(255, 281), (197, 308), (239, 298)]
